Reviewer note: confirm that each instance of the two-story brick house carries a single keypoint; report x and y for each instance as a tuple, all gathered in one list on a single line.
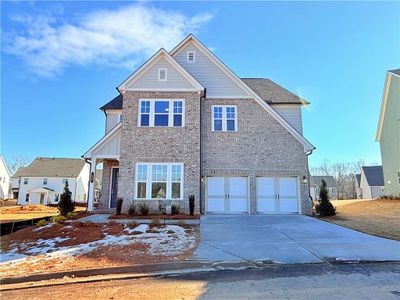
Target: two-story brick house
[(184, 124)]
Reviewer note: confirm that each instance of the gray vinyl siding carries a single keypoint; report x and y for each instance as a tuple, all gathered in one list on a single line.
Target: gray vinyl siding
[(112, 120), (149, 80), (292, 114), (218, 84)]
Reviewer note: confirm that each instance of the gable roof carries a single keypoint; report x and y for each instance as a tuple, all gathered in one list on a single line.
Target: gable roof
[(52, 167), (273, 93), (395, 71), (5, 165), (115, 103), (19, 172), (388, 81), (191, 38), (316, 181), (151, 61), (374, 175)]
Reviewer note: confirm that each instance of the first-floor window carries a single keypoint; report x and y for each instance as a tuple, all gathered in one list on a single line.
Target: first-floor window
[(27, 197), (159, 180), (44, 181), (25, 180)]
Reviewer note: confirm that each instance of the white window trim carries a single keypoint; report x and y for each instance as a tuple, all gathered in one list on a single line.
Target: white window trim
[(149, 180), (224, 119), (159, 74), (170, 113), (194, 57)]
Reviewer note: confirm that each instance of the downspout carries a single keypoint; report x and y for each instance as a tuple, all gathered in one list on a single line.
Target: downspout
[(88, 161), (201, 153), (308, 181)]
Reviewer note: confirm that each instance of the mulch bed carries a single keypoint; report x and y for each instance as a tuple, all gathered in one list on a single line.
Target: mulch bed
[(156, 216)]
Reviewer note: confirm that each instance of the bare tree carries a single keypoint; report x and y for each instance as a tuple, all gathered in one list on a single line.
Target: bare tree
[(16, 162)]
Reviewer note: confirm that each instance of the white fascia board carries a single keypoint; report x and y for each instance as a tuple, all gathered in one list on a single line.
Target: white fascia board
[(150, 62), (191, 38), (104, 139), (388, 80)]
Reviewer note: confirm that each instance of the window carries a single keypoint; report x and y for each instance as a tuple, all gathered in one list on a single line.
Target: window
[(56, 197), (224, 118), (25, 180), (27, 197), (159, 180), (191, 57), (44, 181), (161, 113), (162, 74)]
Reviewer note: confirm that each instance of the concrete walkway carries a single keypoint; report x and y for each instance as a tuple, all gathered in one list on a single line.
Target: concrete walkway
[(287, 239)]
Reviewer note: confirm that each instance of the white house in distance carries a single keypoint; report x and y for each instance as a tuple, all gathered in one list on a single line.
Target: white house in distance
[(5, 176), (372, 184), (316, 182), (44, 179)]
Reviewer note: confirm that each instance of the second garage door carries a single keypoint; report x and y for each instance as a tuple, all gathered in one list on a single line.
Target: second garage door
[(277, 195), (227, 194)]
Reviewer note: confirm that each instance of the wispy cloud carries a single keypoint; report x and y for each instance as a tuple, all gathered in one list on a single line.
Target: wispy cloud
[(120, 37)]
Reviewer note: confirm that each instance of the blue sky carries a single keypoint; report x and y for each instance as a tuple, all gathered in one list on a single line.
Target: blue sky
[(61, 61)]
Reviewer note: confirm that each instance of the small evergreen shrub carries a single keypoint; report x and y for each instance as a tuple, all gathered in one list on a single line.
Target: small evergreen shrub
[(324, 207), (132, 209), (191, 204), (42, 223), (155, 223), (58, 219), (118, 206), (66, 205), (175, 209), (143, 208), (180, 223)]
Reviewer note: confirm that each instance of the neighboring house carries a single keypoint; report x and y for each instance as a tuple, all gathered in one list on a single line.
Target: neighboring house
[(5, 177), (388, 133), (357, 187), (44, 179), (316, 182), (372, 183), (185, 124)]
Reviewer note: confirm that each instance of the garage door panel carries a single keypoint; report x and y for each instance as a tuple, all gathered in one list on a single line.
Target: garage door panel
[(216, 204), (238, 205), (288, 205), (266, 204), (266, 187), (237, 186), (215, 186), (287, 187)]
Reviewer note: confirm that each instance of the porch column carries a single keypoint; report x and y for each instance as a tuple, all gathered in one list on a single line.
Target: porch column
[(92, 183)]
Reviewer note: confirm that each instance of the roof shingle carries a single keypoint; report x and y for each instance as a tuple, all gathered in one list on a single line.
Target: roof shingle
[(317, 181), (374, 175), (52, 167)]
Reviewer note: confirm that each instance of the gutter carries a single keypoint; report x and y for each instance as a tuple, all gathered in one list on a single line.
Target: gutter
[(308, 181)]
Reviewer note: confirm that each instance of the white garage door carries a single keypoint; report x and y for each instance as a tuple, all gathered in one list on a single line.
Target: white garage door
[(227, 194), (277, 195)]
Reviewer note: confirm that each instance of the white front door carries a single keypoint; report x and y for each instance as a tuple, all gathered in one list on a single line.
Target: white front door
[(227, 194), (277, 195)]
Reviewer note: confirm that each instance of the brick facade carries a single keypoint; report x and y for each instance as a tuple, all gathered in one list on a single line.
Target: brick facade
[(156, 144)]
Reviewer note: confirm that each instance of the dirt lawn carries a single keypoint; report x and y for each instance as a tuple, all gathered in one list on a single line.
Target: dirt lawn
[(74, 245), (26, 212), (378, 217)]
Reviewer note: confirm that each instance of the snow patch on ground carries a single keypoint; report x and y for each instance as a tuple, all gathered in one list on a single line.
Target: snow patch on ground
[(170, 240), (43, 227)]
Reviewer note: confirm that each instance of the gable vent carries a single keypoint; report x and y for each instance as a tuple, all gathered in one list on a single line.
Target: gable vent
[(162, 74), (191, 56)]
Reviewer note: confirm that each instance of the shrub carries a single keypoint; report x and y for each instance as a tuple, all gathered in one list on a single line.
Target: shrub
[(155, 223), (58, 219), (175, 209), (143, 208), (132, 209), (161, 208), (180, 223), (118, 206), (70, 215), (42, 222), (191, 204), (132, 224), (66, 205), (324, 207)]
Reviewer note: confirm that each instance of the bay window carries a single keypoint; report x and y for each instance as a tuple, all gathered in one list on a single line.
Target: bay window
[(224, 118), (159, 181), (161, 113)]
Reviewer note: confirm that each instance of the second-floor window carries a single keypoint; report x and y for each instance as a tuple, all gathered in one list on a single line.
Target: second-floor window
[(161, 113), (224, 118), (44, 181)]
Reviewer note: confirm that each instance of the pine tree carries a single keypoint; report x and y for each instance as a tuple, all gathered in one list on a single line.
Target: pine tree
[(324, 207), (66, 205)]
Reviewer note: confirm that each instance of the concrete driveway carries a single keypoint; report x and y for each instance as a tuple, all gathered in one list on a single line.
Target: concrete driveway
[(287, 239)]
